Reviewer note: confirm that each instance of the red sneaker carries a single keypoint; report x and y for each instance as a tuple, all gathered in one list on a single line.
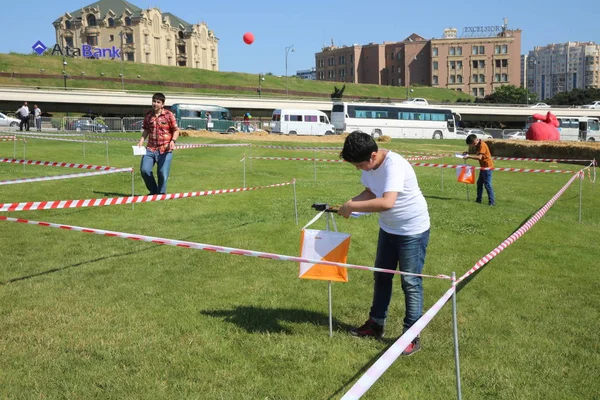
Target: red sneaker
[(413, 347), (369, 328)]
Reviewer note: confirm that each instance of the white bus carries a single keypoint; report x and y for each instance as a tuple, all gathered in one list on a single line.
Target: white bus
[(575, 128), (403, 121), (301, 122)]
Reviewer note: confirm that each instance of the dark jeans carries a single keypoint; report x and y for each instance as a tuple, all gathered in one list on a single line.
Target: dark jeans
[(24, 123), (164, 166), (485, 179), (408, 252)]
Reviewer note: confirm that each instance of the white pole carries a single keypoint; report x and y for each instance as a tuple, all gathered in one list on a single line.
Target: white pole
[(330, 311), (107, 163), (581, 176), (455, 334), (295, 201), (442, 162), (132, 187), (315, 163), (24, 149)]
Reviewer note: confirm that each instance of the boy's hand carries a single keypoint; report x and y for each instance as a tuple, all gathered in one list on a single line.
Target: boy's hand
[(346, 209)]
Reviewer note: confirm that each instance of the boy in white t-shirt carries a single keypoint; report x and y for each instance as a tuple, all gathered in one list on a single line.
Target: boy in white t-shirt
[(392, 190)]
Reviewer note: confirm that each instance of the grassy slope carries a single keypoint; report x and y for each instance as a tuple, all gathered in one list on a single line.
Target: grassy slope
[(85, 316), (93, 68)]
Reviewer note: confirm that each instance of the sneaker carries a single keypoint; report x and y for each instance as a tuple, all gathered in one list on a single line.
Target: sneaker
[(478, 201), (369, 328), (413, 347)]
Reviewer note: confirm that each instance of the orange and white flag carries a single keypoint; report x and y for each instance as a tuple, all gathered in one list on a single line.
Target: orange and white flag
[(465, 174)]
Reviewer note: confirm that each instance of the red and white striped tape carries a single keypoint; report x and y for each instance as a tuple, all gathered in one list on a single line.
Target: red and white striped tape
[(60, 177), (59, 204), (48, 134), (62, 140), (210, 247), (191, 146), (538, 159), (420, 158), (383, 363), (54, 164), (112, 138), (298, 148), (555, 171), (10, 139), (295, 159), (521, 231)]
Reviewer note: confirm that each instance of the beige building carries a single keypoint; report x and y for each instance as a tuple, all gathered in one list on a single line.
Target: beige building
[(475, 65), (141, 36)]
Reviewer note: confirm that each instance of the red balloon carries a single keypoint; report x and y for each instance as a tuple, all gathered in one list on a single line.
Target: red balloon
[(248, 38)]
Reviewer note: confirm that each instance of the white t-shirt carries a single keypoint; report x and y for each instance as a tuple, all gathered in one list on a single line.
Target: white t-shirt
[(409, 215)]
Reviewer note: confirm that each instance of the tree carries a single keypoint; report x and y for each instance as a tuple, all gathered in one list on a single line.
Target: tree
[(509, 94), (576, 97)]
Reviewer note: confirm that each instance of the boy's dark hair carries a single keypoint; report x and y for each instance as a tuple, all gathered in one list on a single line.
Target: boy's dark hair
[(358, 147), (159, 96), (471, 139)]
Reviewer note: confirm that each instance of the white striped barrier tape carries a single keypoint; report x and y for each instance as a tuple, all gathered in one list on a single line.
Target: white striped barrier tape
[(538, 159), (191, 146), (111, 201), (10, 139), (297, 148), (387, 359), (213, 248), (420, 158), (113, 138), (62, 140), (521, 231), (60, 177), (295, 159), (54, 164), (48, 134), (556, 171)]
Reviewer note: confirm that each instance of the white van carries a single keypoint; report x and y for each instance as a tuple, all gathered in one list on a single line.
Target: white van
[(301, 122)]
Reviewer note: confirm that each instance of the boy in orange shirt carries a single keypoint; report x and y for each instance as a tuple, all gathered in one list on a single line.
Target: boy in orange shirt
[(482, 153)]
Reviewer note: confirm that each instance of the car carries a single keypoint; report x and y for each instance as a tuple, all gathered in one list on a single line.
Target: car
[(540, 105), (463, 134), (518, 135), (8, 121), (594, 106), (417, 101), (87, 125)]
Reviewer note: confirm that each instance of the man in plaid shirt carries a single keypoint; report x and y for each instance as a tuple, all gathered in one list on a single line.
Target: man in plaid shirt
[(160, 127)]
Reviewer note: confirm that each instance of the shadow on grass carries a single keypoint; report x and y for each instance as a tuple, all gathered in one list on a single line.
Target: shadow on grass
[(440, 197), (263, 320), (115, 194)]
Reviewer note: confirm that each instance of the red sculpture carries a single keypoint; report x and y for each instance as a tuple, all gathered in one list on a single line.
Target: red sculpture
[(544, 128)]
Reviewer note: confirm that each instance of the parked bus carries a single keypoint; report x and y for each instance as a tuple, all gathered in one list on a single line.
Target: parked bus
[(193, 116), (575, 128), (401, 121), (301, 122)]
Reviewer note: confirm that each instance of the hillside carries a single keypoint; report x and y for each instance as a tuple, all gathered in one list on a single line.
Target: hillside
[(47, 71)]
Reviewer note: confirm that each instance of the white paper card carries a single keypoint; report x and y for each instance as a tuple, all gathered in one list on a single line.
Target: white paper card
[(139, 150), (459, 155)]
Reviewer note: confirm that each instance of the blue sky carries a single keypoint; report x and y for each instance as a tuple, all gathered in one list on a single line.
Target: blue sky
[(310, 24)]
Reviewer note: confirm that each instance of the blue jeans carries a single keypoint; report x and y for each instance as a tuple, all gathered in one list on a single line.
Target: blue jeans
[(164, 165), (485, 179), (408, 252)]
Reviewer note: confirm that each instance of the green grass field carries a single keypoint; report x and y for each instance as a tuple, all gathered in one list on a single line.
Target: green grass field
[(85, 316), (229, 82)]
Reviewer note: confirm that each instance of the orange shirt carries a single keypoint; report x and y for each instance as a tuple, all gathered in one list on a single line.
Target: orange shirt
[(161, 129), (486, 159)]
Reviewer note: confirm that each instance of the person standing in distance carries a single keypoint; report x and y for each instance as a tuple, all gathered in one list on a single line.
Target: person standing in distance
[(392, 190), (208, 122), (160, 127), (484, 156), (37, 113), (23, 114)]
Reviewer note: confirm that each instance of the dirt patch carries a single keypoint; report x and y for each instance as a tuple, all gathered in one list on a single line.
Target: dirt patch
[(263, 136)]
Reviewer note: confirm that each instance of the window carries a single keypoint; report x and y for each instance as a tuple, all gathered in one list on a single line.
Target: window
[(434, 51), (180, 34), (168, 44), (459, 78), (475, 92), (481, 49), (504, 49), (91, 20), (69, 41), (92, 40), (181, 49), (475, 78), (451, 51), (393, 68), (129, 38), (504, 77), (481, 63), (498, 62), (352, 58), (111, 38), (435, 80), (459, 65), (127, 21), (67, 24), (475, 50), (145, 39), (342, 72), (452, 78), (481, 92), (496, 49), (497, 78), (481, 78), (111, 22), (392, 55), (435, 65), (310, 118), (295, 118), (475, 63), (129, 56), (505, 63), (459, 51), (181, 63), (452, 64)]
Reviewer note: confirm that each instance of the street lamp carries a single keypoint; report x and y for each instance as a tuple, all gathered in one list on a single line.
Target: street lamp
[(65, 71), (408, 76), (122, 75), (261, 78), (287, 50)]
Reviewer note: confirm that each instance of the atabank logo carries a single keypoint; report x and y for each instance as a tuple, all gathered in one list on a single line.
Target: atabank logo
[(85, 51)]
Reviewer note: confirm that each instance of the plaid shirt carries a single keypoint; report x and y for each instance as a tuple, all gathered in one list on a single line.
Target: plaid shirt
[(160, 129)]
